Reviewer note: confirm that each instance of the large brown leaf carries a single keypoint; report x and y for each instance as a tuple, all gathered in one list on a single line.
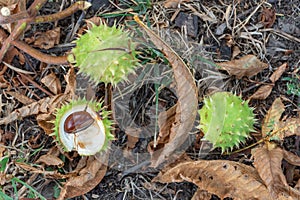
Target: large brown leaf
[(268, 161), (221, 177), (186, 109), (248, 65)]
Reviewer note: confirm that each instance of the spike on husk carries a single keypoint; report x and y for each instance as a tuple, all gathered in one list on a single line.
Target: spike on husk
[(105, 54), (226, 120)]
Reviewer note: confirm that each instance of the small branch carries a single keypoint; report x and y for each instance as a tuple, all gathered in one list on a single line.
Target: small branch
[(79, 5), (56, 60)]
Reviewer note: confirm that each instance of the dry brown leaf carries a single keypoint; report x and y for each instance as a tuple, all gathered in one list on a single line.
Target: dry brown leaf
[(248, 65), (174, 3), (89, 177), (271, 120), (21, 98), (278, 72), (291, 158), (52, 82), (268, 17), (49, 159), (221, 177), (268, 162), (187, 103), (132, 137), (46, 105), (202, 195), (262, 93), (289, 127), (45, 40), (45, 121)]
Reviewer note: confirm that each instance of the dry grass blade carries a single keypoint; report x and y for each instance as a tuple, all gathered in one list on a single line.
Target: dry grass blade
[(220, 177), (186, 109), (268, 164)]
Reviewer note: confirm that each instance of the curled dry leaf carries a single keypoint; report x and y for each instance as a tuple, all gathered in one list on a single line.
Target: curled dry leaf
[(248, 65), (289, 127), (278, 73), (268, 17), (186, 109), (268, 162), (271, 120), (49, 159), (52, 82), (264, 91), (89, 177), (221, 177), (46, 105), (45, 40), (21, 98)]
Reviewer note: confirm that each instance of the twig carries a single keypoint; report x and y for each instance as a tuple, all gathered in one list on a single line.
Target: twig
[(79, 5), (57, 60)]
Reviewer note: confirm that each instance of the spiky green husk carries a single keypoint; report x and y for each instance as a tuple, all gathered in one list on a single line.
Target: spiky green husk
[(97, 107), (105, 54), (226, 120)]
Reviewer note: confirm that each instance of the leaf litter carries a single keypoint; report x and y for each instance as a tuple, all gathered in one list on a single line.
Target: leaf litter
[(266, 180)]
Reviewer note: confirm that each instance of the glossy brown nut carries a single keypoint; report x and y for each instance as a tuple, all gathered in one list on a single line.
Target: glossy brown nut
[(78, 121)]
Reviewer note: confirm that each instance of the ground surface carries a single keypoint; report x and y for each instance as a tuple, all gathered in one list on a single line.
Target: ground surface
[(207, 29)]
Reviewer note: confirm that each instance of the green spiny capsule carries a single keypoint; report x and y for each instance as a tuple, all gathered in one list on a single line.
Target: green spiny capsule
[(226, 120), (105, 54)]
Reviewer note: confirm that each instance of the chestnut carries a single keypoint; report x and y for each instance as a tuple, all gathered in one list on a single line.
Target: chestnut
[(79, 127), (78, 121)]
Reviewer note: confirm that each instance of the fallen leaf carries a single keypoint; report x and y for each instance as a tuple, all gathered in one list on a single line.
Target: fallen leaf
[(268, 163), (248, 65), (49, 159), (289, 127), (186, 109), (262, 93), (46, 105), (21, 98), (52, 82), (268, 17), (45, 121), (174, 3), (202, 195), (278, 72), (221, 177), (88, 178), (45, 40), (271, 120)]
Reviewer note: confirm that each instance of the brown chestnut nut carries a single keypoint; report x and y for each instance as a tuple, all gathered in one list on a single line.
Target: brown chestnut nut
[(78, 121)]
